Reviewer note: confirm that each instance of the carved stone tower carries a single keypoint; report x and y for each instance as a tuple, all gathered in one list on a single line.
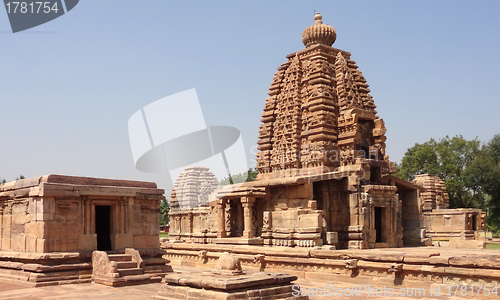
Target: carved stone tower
[(319, 116)]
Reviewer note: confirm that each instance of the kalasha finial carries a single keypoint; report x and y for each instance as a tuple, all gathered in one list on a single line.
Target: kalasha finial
[(318, 17), (319, 33)]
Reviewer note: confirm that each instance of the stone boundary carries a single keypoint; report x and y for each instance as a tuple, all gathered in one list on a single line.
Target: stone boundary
[(412, 267)]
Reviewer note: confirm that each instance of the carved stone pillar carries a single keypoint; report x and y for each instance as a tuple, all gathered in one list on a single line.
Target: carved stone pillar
[(247, 203), (227, 218), (221, 227), (88, 218), (123, 202)]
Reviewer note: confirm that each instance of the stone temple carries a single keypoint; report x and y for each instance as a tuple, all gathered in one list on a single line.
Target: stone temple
[(462, 227), (58, 229), (325, 177)]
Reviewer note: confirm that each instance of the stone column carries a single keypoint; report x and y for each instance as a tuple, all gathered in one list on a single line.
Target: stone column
[(6, 219), (87, 216), (123, 202), (221, 227), (247, 203), (129, 219)]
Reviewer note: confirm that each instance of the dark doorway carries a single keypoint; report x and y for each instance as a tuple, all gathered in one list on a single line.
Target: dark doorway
[(378, 224), (474, 226), (237, 218), (103, 227)]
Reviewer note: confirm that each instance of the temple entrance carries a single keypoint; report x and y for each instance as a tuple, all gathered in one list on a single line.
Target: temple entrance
[(378, 225), (237, 218), (103, 227)]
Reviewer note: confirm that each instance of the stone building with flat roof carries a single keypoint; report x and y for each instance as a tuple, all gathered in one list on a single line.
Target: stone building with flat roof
[(50, 225)]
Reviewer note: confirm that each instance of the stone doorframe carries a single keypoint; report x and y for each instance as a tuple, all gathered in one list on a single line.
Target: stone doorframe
[(119, 216)]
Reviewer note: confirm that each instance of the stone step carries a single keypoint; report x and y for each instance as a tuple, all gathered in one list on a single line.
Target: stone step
[(127, 280), (120, 257), (126, 264), (156, 261), (129, 272)]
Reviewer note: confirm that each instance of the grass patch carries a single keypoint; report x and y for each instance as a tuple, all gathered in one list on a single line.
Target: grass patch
[(164, 234), (441, 240), (493, 246)]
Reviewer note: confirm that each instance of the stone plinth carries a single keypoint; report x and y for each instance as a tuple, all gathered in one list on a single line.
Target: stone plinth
[(205, 285)]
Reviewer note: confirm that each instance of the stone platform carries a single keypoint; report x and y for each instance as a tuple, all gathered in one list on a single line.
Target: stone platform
[(205, 285), (57, 268), (43, 269), (15, 291), (405, 267)]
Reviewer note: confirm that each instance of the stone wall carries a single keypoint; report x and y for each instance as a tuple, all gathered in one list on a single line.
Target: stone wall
[(405, 267)]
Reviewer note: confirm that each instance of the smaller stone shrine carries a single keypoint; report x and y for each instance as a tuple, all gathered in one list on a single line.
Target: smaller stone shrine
[(51, 224), (191, 217), (442, 223), (228, 281)]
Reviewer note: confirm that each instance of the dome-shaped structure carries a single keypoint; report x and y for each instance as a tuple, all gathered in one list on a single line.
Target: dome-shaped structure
[(319, 33)]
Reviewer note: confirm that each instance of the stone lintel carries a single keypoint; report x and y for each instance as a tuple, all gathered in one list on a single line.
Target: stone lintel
[(56, 189), (380, 189)]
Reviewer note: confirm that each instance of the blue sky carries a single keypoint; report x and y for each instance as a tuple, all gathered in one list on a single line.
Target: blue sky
[(68, 87)]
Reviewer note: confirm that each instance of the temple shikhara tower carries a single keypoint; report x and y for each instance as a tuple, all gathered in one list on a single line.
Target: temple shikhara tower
[(319, 115)]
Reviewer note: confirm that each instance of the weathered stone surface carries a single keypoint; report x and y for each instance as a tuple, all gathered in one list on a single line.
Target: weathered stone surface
[(169, 292), (227, 283), (127, 269), (476, 261), (205, 285)]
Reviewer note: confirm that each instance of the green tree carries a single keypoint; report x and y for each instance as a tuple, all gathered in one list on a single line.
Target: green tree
[(484, 173), (451, 159), (250, 175), (164, 209)]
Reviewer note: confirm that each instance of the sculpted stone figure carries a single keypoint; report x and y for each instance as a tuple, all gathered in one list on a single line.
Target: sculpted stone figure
[(228, 265)]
